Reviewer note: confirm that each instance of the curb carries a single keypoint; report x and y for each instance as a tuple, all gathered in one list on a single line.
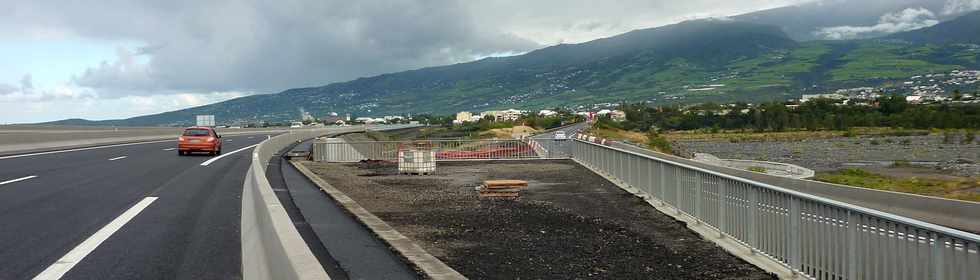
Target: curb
[(430, 266)]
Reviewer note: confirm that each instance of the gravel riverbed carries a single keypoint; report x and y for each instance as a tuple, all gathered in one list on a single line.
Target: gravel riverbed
[(835, 153)]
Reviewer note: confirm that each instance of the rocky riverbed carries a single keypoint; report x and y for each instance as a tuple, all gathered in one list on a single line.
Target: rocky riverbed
[(844, 152)]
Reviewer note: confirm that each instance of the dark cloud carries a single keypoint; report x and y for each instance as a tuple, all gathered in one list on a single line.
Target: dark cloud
[(267, 46)]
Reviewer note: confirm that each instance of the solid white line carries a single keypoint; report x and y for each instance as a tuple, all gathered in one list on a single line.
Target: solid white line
[(65, 263), (117, 158), (83, 149), (18, 180), (206, 163), (169, 149)]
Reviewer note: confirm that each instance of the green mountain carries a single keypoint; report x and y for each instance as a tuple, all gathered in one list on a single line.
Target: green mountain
[(962, 30), (694, 61)]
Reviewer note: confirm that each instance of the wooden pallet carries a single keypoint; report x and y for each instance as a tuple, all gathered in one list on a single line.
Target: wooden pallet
[(504, 184)]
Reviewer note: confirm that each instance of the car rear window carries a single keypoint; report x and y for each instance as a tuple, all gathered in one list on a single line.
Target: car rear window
[(197, 132)]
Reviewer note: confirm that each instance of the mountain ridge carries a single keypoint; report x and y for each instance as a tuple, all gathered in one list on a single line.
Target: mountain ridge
[(751, 62)]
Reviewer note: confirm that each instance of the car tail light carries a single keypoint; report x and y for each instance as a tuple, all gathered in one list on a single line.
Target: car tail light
[(182, 139), (210, 139)]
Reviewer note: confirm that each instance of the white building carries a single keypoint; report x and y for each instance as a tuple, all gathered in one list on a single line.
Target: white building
[(505, 115), (547, 113), (463, 117)]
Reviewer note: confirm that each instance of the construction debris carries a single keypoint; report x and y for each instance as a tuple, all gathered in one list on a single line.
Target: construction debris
[(502, 188)]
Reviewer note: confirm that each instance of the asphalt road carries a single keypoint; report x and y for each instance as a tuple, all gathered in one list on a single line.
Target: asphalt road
[(556, 148), (123, 212)]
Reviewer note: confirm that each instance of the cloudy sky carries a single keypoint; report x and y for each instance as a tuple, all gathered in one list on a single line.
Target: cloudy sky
[(115, 59)]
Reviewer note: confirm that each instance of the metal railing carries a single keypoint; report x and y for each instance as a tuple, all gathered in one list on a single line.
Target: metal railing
[(338, 150), (811, 235)]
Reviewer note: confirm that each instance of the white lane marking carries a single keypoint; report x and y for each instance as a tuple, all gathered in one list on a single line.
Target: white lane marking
[(84, 149), (65, 263), (169, 149), (250, 137), (117, 158), (208, 162), (267, 137), (229, 140), (18, 180)]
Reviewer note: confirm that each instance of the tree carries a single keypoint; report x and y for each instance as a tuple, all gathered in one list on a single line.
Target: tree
[(892, 104)]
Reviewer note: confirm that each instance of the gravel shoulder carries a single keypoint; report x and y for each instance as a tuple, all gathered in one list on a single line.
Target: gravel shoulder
[(568, 224)]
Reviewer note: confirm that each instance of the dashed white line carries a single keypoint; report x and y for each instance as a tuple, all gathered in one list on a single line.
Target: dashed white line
[(208, 162), (18, 180), (169, 149), (65, 263), (83, 149), (117, 158)]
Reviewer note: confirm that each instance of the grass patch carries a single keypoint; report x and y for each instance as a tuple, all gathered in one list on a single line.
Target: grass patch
[(962, 189), (756, 169)]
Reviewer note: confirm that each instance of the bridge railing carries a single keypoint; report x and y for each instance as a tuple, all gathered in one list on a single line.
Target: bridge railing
[(810, 235)]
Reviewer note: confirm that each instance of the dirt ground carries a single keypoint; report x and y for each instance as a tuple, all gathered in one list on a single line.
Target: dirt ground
[(568, 224)]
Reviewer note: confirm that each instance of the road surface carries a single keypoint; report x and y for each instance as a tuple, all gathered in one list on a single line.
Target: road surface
[(134, 211), (553, 148)]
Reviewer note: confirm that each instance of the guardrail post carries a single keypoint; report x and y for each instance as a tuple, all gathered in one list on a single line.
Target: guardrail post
[(698, 186), (663, 183), (853, 228), (938, 256), (722, 207), (753, 231), (793, 232)]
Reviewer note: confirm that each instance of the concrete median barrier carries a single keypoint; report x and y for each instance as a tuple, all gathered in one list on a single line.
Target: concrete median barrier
[(272, 248)]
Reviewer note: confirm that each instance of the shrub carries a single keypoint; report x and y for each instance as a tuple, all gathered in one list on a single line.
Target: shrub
[(948, 137), (850, 133), (659, 142), (906, 142), (756, 169), (875, 142), (968, 137)]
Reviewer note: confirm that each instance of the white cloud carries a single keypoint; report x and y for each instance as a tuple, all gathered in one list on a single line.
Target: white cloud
[(65, 102), (960, 6), (905, 20)]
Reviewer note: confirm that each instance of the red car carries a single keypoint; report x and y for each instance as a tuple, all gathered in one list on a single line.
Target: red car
[(199, 139)]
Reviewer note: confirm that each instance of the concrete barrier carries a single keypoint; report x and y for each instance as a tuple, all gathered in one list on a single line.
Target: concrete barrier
[(271, 246)]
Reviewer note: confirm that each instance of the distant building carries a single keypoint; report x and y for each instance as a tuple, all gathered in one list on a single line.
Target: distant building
[(547, 113), (832, 96), (617, 115), (463, 117), (505, 115)]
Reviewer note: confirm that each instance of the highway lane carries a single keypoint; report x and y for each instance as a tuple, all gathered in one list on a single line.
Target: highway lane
[(191, 229), (558, 148)]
